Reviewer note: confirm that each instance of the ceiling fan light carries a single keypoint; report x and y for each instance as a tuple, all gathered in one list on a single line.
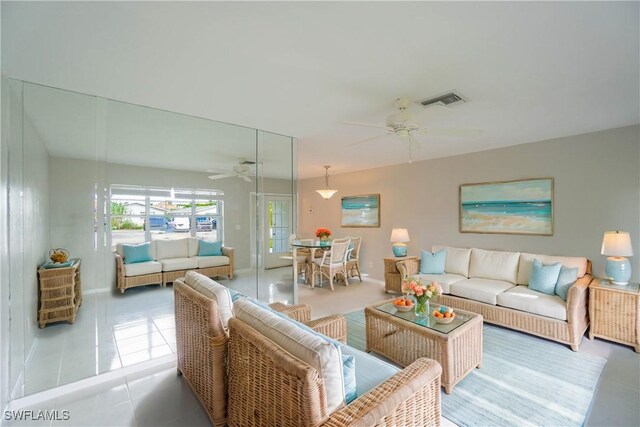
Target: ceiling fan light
[(326, 193)]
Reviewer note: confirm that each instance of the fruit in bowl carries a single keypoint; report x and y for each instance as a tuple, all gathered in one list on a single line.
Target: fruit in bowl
[(444, 314), (403, 304)]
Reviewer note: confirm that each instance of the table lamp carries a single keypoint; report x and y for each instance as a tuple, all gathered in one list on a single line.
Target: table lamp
[(399, 237), (616, 245)]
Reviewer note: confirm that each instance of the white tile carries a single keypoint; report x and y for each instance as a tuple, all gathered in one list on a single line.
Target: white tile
[(134, 329), (164, 405), (139, 343), (165, 322), (141, 385), (144, 355)]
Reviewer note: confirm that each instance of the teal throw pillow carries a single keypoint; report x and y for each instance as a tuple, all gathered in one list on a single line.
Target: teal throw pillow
[(544, 277), (349, 375), (206, 248), (137, 253), (433, 263), (566, 279)]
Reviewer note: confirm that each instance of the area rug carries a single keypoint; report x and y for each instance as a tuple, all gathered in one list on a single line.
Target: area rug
[(524, 381)]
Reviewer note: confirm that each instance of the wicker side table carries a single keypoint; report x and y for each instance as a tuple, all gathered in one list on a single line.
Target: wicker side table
[(613, 311), (60, 294), (392, 277)]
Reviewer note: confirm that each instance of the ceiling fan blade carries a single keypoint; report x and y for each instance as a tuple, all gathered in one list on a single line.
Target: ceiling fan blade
[(468, 133), (246, 178), (366, 124), (216, 170), (223, 175), (367, 140)]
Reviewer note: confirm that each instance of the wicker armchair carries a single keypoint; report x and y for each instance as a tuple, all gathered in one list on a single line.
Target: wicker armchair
[(270, 387), (334, 262), (353, 262), (202, 344)]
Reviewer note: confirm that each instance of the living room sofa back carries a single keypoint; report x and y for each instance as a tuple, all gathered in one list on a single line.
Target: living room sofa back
[(495, 284)]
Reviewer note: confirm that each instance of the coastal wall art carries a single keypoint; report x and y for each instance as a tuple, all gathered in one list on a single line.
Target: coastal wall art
[(361, 211), (508, 207)]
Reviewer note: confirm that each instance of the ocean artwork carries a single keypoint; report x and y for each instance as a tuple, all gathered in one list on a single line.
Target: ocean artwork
[(361, 211), (510, 207)]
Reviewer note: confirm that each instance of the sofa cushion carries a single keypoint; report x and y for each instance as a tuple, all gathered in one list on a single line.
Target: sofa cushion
[(193, 245), (214, 290), (370, 371), (166, 249), (174, 264), (477, 289), (137, 253), (526, 259), (317, 352), (457, 261), (444, 280), (524, 299), (207, 248), (544, 277), (566, 279), (497, 265), (432, 263), (211, 261), (140, 268)]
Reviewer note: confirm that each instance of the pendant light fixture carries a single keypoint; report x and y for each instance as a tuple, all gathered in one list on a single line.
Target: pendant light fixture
[(326, 193)]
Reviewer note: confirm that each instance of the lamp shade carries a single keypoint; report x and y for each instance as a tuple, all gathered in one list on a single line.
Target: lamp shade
[(616, 243), (399, 235), (326, 193)]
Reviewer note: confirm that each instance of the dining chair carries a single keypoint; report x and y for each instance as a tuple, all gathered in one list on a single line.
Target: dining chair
[(353, 262), (333, 262), (302, 255)]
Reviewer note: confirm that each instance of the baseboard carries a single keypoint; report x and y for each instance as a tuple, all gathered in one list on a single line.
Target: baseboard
[(96, 291), (163, 362)]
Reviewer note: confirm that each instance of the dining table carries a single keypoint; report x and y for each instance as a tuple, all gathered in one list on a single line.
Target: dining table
[(312, 246)]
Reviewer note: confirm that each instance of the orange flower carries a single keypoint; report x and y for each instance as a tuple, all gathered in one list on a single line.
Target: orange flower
[(322, 232)]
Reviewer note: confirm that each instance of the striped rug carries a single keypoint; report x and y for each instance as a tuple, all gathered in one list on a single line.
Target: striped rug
[(524, 381)]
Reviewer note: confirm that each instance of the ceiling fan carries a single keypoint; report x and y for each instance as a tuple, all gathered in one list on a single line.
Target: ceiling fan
[(242, 170), (400, 124)]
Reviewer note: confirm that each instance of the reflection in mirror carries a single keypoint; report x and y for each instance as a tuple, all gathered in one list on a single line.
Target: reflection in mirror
[(99, 177)]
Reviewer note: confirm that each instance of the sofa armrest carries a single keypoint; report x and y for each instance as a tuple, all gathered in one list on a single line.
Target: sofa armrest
[(408, 267), (411, 397), (119, 271), (578, 300), (334, 326), (300, 312), (229, 252)]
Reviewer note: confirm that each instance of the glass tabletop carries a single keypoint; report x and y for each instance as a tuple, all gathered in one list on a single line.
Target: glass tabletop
[(314, 244), (427, 321), (630, 287)]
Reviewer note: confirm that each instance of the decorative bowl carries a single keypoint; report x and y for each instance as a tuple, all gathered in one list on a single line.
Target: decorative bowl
[(59, 255), (404, 308), (444, 320)]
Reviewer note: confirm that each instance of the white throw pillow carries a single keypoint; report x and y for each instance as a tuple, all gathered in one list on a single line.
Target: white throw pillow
[(214, 290), (193, 245), (321, 355), (171, 249), (457, 261), (495, 265), (526, 261)]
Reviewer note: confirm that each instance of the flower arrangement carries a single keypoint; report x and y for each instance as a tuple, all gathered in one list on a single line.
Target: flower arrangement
[(422, 293), (323, 233)]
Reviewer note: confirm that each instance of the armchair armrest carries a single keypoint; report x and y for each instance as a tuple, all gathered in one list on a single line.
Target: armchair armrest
[(229, 252), (300, 312), (411, 397), (334, 326), (408, 267)]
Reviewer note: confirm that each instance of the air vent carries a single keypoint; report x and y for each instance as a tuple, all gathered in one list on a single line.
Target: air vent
[(446, 100)]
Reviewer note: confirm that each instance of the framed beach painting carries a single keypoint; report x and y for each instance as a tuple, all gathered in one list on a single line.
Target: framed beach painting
[(508, 207), (361, 211)]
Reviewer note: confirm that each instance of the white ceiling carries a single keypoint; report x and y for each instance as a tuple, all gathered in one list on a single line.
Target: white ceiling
[(532, 71)]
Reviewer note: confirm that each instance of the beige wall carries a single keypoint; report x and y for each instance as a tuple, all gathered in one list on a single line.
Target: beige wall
[(597, 188)]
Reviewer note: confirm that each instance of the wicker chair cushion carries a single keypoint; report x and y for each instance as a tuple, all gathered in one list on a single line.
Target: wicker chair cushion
[(444, 280), (495, 265), (483, 290), (211, 261), (175, 264), (141, 268), (526, 261), (166, 249), (524, 299), (315, 351), (457, 261), (214, 290), (370, 371)]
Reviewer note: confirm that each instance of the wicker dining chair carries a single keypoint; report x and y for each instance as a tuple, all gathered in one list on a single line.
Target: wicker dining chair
[(353, 262), (334, 262), (302, 256)]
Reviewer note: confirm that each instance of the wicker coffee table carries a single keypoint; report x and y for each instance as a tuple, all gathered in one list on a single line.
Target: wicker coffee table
[(403, 338)]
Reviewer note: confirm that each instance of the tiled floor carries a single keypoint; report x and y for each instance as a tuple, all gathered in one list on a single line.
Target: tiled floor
[(160, 398)]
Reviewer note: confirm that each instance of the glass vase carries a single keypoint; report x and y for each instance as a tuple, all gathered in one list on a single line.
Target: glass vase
[(422, 308)]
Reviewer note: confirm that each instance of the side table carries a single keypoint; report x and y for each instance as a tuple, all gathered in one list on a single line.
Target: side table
[(613, 312), (392, 277), (60, 293)]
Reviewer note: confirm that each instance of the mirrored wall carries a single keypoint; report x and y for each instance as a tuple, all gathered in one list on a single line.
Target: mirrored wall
[(89, 174)]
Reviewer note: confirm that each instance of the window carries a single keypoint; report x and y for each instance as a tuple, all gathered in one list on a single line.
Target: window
[(140, 214)]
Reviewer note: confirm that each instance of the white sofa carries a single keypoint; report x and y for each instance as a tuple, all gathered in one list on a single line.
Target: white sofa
[(172, 258), (495, 284)]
